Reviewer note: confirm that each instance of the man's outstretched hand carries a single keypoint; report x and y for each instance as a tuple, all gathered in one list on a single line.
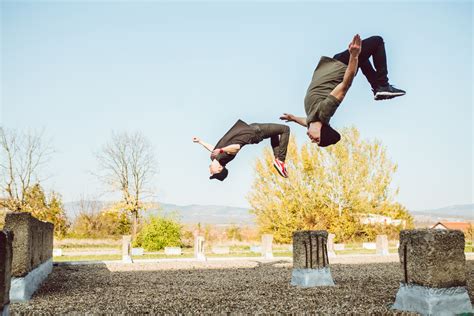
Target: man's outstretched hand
[(196, 139), (355, 46), (287, 117)]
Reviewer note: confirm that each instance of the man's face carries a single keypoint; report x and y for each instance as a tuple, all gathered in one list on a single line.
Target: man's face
[(314, 133), (215, 167)]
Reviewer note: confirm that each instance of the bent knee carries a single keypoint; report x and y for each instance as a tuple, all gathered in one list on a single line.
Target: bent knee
[(377, 38)]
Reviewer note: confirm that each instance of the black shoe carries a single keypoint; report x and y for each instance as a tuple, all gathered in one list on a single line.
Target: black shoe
[(387, 92)]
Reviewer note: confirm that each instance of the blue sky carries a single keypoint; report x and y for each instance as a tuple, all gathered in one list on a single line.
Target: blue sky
[(81, 70)]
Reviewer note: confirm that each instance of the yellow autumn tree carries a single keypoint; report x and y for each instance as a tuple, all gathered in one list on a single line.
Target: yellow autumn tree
[(328, 188)]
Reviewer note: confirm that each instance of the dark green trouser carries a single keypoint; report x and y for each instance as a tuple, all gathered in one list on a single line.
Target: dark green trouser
[(279, 135)]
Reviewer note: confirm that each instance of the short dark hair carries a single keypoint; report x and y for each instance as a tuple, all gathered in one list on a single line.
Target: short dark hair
[(221, 175), (329, 136)]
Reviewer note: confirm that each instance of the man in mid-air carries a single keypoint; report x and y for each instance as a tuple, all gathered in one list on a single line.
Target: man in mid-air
[(242, 134), (333, 78)]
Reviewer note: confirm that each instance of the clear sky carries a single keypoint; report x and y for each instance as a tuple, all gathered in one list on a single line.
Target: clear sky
[(173, 70)]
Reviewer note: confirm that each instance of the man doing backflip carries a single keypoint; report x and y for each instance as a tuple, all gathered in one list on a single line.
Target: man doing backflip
[(242, 134), (333, 78)]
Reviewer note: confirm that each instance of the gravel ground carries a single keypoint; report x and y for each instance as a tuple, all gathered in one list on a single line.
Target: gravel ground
[(239, 286)]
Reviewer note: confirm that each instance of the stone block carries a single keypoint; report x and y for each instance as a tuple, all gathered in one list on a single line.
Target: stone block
[(6, 241), (33, 243), (310, 259), (433, 258), (310, 249), (434, 273)]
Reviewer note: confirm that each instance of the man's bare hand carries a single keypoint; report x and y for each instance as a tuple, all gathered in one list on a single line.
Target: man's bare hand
[(196, 139), (287, 117), (355, 46), (214, 153)]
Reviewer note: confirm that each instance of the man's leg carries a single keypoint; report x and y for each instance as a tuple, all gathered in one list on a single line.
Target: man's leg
[(371, 47), (279, 135), (374, 47)]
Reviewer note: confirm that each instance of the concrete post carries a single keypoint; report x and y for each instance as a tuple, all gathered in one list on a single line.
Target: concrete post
[(199, 248), (434, 273), (381, 242), (267, 248), (331, 251), (127, 249), (310, 259)]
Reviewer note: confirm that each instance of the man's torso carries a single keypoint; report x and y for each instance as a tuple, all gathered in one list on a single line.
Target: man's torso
[(240, 134), (327, 75)]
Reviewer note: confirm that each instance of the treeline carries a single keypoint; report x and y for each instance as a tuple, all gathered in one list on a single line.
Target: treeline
[(332, 188)]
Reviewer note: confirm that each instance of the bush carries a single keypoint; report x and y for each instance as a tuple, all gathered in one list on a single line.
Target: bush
[(103, 224), (158, 233)]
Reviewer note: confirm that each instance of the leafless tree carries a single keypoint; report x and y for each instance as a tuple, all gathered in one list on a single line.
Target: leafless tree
[(127, 165), (22, 157)]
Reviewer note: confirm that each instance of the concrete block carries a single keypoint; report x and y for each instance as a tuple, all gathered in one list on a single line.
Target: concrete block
[(6, 241)]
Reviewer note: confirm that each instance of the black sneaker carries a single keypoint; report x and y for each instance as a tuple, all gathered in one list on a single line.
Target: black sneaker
[(387, 92)]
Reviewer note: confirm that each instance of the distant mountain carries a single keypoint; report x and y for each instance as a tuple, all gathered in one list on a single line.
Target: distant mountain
[(226, 215), (188, 214), (206, 214), (454, 212)]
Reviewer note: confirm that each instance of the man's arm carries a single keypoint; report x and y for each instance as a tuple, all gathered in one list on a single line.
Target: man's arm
[(230, 149), (291, 118), (341, 89), (204, 144)]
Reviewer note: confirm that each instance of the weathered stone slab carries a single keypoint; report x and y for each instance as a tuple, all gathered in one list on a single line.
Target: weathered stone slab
[(309, 249), (138, 251), (339, 247), (256, 249), (267, 246), (433, 258), (369, 245), (6, 241), (199, 248), (173, 251), (127, 249), (381, 242), (33, 243)]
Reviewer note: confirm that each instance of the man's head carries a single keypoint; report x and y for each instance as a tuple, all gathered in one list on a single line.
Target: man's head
[(217, 170), (323, 134)]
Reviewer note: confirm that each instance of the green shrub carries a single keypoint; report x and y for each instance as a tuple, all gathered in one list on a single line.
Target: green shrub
[(158, 233)]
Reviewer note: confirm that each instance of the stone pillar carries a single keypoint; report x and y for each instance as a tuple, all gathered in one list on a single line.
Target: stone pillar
[(310, 259), (331, 252), (127, 249), (434, 272), (381, 243), (6, 255), (199, 248), (267, 251), (32, 252)]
